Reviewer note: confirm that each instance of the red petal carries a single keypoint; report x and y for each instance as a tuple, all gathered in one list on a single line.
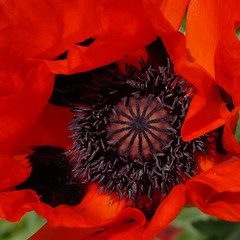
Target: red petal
[(207, 112), (20, 110), (14, 204), (229, 140), (125, 29), (227, 63), (35, 30), (217, 192), (129, 231), (60, 233), (227, 58), (94, 210), (220, 177), (203, 29), (173, 10), (207, 101), (129, 224), (166, 212), (51, 128), (12, 173), (45, 29)]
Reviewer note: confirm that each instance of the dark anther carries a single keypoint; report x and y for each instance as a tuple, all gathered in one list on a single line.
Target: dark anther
[(51, 177)]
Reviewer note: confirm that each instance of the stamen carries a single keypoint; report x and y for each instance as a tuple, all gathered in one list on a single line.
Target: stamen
[(130, 142)]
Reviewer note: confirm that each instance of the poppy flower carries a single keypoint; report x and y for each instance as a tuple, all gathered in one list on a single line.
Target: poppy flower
[(107, 214)]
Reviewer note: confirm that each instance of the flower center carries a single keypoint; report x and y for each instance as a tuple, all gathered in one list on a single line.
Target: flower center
[(140, 127), (129, 141)]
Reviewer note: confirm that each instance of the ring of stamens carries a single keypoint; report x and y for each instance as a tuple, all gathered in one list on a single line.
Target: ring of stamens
[(130, 141)]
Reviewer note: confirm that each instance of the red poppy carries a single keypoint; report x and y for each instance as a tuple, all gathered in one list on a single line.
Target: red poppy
[(119, 29)]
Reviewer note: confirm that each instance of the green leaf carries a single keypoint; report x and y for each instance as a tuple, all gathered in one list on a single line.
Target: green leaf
[(183, 25), (184, 221), (21, 230), (237, 131), (196, 225), (215, 229)]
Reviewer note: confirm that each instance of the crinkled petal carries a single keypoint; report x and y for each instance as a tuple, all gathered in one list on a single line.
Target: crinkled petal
[(12, 173), (227, 65), (61, 233), (20, 110), (35, 30), (94, 210), (166, 212), (203, 30), (47, 28), (128, 224), (51, 128), (217, 191), (172, 10), (207, 101), (130, 231), (227, 57), (125, 29), (206, 113)]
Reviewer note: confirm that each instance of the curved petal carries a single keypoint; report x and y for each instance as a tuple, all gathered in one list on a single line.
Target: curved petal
[(227, 57), (51, 128), (172, 10), (8, 176), (61, 233), (207, 101), (166, 212), (125, 29), (217, 191), (94, 210), (203, 29), (207, 112), (229, 140), (20, 110), (45, 29), (130, 231), (227, 65), (35, 30), (129, 223), (206, 22)]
